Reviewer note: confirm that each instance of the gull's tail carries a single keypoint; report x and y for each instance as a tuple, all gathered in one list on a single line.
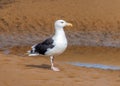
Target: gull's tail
[(32, 51)]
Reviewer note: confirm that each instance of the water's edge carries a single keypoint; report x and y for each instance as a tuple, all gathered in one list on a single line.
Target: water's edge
[(99, 66)]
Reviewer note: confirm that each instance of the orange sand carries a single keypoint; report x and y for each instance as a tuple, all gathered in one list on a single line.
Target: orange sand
[(35, 71)]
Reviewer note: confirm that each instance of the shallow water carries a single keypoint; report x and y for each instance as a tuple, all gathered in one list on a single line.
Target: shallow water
[(99, 66)]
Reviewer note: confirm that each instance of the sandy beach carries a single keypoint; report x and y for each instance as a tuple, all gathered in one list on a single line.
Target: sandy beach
[(93, 39), (17, 70)]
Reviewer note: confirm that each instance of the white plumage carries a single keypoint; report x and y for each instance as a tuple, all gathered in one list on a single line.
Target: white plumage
[(60, 43)]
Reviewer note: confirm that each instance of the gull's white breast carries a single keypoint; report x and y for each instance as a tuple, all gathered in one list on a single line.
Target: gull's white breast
[(60, 44)]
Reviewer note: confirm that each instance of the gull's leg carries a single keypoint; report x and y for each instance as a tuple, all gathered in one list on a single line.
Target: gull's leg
[(52, 64)]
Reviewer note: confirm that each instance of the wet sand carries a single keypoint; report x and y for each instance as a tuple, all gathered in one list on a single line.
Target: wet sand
[(17, 69)]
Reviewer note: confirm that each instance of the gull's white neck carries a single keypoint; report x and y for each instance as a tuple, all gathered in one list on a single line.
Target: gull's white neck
[(59, 32), (60, 35)]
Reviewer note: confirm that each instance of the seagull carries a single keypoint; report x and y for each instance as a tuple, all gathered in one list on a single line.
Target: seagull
[(54, 45)]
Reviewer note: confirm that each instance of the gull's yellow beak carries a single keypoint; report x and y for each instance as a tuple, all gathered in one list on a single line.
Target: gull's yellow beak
[(69, 24)]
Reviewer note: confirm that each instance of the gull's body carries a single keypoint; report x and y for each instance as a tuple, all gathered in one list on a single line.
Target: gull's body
[(60, 43), (54, 45)]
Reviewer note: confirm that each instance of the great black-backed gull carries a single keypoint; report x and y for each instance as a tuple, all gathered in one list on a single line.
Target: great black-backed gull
[(54, 45)]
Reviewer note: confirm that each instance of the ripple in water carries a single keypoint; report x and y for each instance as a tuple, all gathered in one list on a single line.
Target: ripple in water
[(100, 66)]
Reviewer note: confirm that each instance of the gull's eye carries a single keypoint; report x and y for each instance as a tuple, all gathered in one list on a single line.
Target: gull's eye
[(62, 22)]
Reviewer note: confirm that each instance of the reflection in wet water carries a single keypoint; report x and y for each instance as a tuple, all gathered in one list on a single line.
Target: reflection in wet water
[(100, 66)]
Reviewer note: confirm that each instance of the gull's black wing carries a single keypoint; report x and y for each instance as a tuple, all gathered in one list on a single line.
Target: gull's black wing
[(41, 48)]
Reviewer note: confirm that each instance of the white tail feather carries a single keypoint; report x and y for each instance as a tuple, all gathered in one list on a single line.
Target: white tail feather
[(36, 54)]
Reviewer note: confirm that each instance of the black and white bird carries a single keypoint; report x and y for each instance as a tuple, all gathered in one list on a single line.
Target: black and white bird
[(54, 45)]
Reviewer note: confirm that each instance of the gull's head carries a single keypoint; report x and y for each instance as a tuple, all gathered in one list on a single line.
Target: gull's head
[(61, 24)]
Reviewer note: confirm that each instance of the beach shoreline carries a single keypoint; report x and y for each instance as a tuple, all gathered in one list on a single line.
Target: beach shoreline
[(18, 70)]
